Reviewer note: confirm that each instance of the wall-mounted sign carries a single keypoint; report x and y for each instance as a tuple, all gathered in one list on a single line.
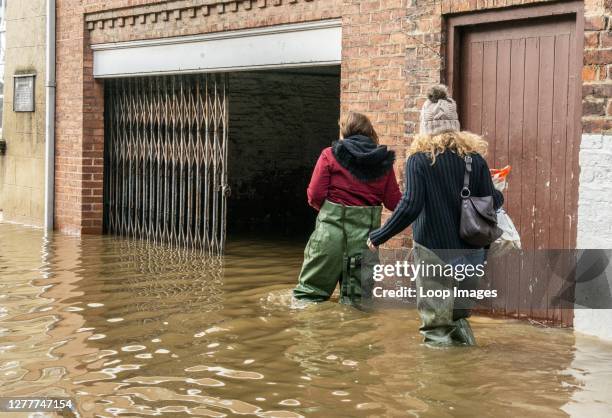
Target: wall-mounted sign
[(23, 93)]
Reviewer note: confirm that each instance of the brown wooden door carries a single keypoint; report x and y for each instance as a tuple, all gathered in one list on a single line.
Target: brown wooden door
[(519, 88), (518, 85)]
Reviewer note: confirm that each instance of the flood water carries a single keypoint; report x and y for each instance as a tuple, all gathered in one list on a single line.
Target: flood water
[(132, 329)]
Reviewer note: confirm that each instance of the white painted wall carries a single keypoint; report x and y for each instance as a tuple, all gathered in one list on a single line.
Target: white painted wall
[(295, 45), (595, 220)]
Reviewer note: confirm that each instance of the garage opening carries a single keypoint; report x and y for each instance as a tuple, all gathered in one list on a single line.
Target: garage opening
[(279, 121), (177, 145), (221, 136)]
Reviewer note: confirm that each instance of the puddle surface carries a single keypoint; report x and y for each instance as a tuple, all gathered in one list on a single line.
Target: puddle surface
[(133, 329)]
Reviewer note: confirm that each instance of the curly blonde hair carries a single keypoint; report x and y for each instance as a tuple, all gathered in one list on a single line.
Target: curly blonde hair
[(462, 143)]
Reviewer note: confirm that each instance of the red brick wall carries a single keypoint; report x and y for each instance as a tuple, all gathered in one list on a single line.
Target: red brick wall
[(155, 19), (79, 133), (373, 76), (80, 99), (597, 70)]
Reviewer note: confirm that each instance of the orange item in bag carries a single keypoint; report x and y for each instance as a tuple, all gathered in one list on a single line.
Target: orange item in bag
[(500, 173)]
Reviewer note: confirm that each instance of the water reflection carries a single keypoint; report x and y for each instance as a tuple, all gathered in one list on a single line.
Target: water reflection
[(133, 329)]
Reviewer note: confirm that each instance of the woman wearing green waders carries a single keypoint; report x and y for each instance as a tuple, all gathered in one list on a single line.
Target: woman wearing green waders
[(350, 182)]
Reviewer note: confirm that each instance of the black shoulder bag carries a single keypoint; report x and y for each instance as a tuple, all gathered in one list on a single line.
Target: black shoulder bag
[(478, 218)]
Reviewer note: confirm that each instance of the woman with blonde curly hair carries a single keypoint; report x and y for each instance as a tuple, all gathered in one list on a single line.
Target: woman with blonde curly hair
[(431, 203)]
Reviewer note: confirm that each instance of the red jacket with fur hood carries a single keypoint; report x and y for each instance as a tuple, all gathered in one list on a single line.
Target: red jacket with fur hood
[(355, 172)]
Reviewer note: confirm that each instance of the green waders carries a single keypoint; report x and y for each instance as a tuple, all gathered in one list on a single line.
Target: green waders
[(333, 253), (444, 320)]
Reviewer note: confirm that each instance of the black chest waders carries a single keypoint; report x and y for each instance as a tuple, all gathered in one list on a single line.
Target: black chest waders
[(334, 253)]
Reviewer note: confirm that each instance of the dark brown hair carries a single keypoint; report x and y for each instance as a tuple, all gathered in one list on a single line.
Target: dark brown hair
[(354, 123)]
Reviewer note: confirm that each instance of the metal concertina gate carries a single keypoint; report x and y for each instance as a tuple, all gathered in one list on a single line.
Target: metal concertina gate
[(166, 159)]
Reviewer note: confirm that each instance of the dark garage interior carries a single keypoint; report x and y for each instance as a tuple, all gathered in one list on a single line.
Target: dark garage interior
[(279, 121)]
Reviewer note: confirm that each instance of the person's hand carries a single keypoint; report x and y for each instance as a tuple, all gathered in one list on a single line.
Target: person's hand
[(371, 246)]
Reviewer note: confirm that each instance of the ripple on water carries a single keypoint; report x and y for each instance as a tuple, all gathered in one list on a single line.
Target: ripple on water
[(129, 348), (144, 356), (114, 320), (280, 414), (290, 402), (222, 371), (96, 337)]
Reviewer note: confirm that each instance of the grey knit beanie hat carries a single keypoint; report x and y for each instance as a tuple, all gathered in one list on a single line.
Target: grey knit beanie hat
[(439, 113)]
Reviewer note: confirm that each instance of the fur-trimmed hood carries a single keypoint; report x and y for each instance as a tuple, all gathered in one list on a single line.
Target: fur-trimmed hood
[(363, 158)]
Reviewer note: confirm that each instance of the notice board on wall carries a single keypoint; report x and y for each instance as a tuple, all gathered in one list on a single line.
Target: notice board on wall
[(23, 93)]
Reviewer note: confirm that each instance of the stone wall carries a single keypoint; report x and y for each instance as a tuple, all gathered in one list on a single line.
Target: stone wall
[(595, 192), (594, 215), (22, 168)]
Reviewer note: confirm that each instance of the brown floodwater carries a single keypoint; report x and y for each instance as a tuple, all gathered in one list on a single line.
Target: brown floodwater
[(128, 328)]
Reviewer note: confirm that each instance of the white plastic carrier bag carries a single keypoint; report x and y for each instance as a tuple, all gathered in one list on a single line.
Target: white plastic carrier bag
[(509, 240)]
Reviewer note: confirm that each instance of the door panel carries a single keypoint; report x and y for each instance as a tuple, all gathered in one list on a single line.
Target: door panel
[(516, 84)]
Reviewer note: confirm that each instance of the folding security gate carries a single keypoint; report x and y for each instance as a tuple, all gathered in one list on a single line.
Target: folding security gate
[(166, 159)]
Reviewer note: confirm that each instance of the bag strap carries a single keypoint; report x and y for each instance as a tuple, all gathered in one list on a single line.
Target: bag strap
[(465, 192)]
